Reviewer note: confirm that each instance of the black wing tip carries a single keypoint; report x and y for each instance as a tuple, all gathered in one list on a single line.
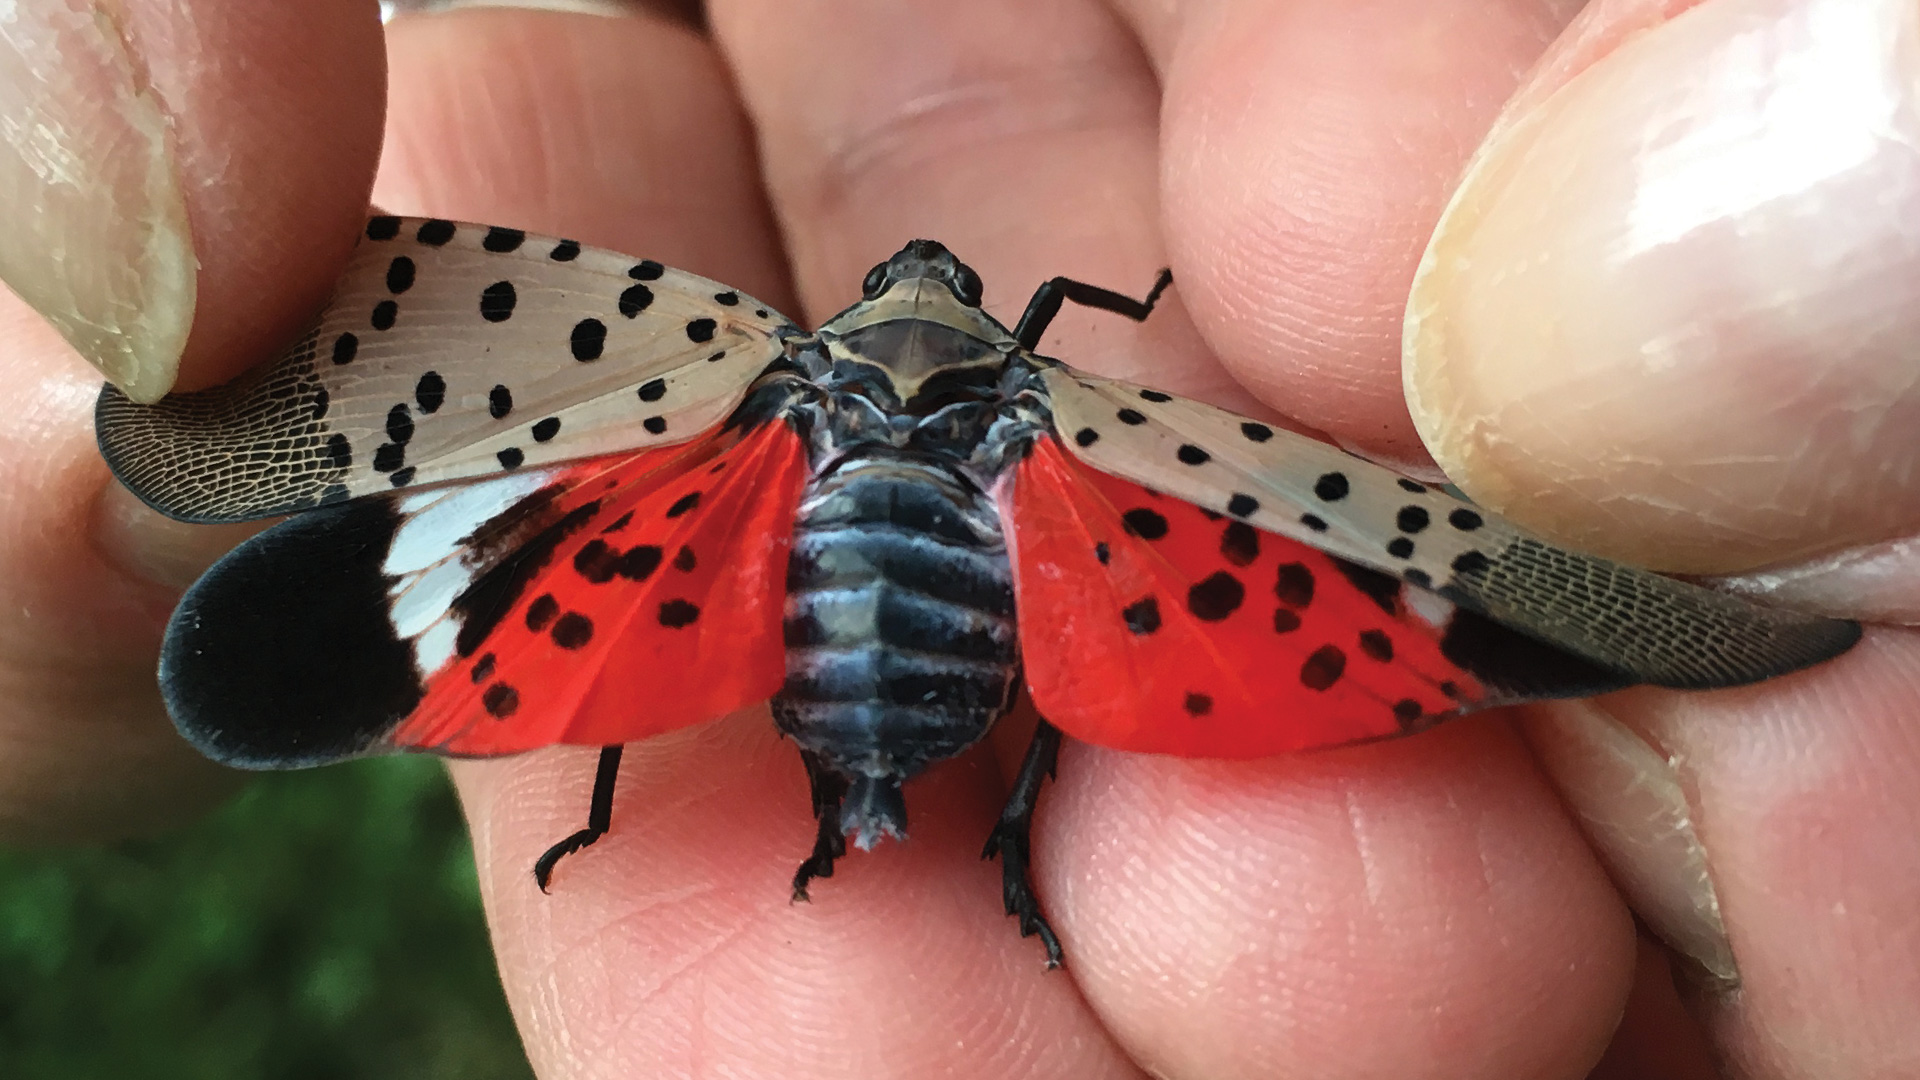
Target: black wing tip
[(281, 655)]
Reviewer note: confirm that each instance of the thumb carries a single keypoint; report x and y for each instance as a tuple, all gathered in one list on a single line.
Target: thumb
[(1670, 316)]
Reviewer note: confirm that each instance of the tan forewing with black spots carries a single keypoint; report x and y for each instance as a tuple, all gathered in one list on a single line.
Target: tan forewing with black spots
[(451, 351)]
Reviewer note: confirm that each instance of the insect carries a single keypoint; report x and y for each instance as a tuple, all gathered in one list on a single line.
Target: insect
[(673, 502)]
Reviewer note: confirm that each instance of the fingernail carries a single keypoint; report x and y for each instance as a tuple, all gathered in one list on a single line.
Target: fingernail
[(146, 545), (1877, 583), (1669, 315), (91, 202), (1633, 807)]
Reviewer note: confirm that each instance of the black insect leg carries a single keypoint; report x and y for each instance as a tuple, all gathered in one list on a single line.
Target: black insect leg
[(829, 788), (1010, 839), (1049, 296), (599, 816)]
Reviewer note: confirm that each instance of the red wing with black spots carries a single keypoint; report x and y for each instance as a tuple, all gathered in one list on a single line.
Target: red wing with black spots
[(596, 603), (1154, 625)]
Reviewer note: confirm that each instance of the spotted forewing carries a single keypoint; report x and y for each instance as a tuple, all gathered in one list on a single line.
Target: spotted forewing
[(451, 351)]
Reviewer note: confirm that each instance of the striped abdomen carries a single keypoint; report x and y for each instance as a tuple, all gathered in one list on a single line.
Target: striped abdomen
[(901, 646)]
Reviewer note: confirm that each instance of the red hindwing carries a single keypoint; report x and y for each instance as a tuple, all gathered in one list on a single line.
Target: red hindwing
[(1152, 625), (646, 596)]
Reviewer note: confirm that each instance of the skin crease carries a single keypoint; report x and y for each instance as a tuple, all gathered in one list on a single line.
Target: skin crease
[(1418, 908)]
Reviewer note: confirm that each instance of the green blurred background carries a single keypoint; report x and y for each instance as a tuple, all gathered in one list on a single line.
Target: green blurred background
[(322, 924)]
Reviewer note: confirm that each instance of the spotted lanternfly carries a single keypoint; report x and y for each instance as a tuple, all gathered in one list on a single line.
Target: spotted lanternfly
[(675, 502)]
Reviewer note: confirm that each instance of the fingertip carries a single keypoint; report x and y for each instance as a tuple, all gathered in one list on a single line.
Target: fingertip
[(1299, 184), (1232, 919), (1666, 317), (185, 178), (279, 109)]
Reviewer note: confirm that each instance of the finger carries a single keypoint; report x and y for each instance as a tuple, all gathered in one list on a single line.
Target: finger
[(1028, 128), (253, 130), (1769, 834), (1656, 1039), (1668, 317), (1267, 919), (671, 946), (1308, 149), (1021, 136), (178, 162)]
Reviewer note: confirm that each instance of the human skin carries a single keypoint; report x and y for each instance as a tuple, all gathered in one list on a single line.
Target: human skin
[(1439, 906)]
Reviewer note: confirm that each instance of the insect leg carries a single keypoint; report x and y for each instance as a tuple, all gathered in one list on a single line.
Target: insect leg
[(829, 787), (1049, 296), (1010, 838), (599, 816)]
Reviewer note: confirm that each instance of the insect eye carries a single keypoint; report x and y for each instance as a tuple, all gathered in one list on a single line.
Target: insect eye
[(876, 281), (968, 285)]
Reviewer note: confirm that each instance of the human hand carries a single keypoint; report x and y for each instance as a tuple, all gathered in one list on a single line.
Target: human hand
[(1426, 907)]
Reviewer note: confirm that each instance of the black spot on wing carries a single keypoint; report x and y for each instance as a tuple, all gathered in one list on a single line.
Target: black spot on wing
[(501, 241), (500, 701), (1240, 543), (400, 274), (430, 392), (1142, 616), (1331, 487), (1376, 644), (636, 299), (497, 301), (1293, 585), (1382, 589), (587, 340), (400, 424), (572, 631), (253, 687), (541, 612), (1217, 597), (1323, 668), (678, 614), (1144, 523)]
